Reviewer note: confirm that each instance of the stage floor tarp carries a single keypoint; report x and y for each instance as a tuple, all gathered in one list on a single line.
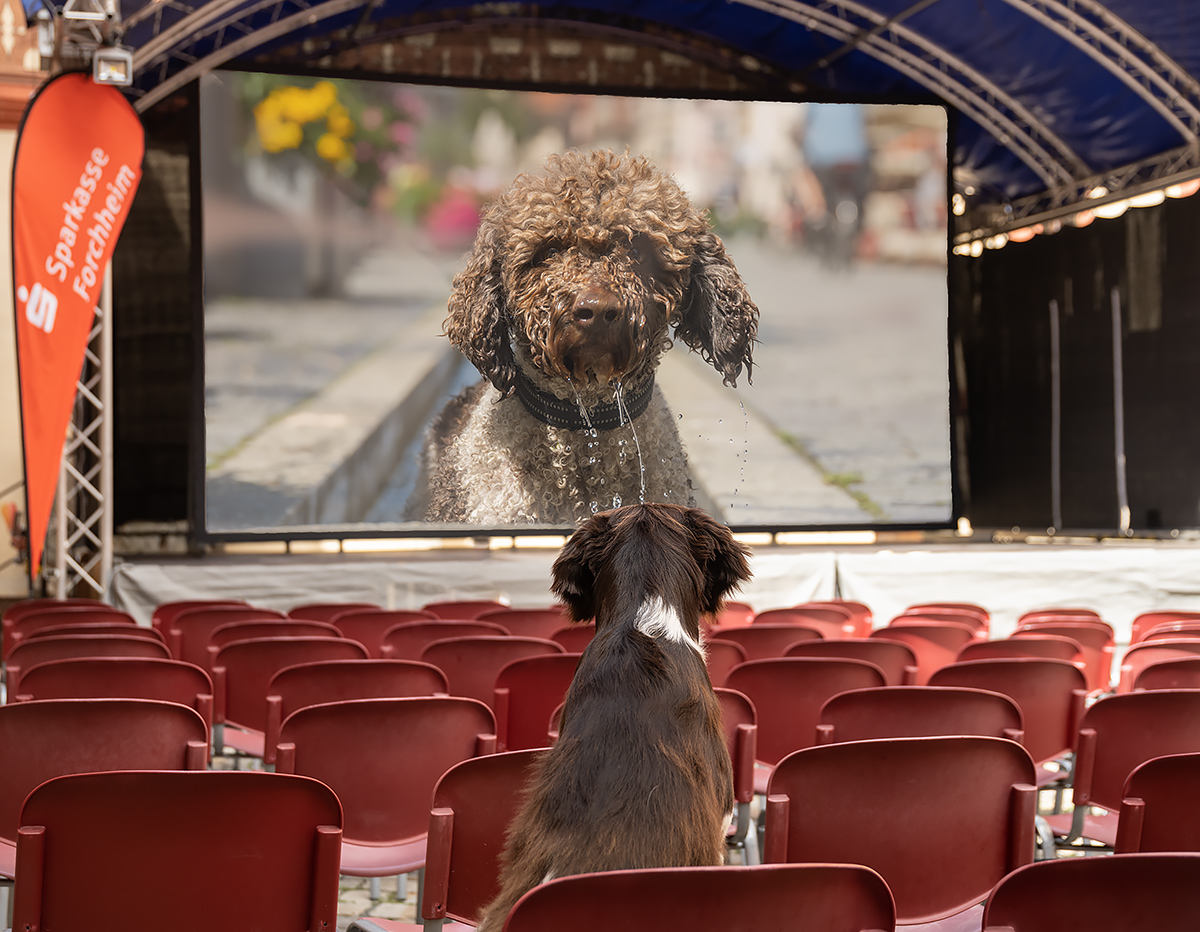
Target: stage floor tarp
[(1118, 581)]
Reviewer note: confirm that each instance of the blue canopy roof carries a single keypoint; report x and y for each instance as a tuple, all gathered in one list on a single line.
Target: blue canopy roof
[(1054, 96)]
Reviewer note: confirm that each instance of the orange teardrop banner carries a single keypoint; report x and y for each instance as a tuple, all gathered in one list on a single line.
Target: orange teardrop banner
[(77, 167)]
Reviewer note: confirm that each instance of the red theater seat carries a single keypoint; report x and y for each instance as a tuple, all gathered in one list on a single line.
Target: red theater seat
[(109, 852)]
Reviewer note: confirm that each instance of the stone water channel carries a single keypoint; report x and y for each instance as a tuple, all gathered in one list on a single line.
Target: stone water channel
[(315, 408)]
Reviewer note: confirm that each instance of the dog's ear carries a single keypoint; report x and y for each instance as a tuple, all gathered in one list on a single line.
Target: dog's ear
[(477, 323), (574, 571), (724, 561), (719, 319)]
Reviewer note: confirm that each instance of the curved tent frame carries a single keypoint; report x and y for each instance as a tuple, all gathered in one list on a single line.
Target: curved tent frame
[(1061, 103)]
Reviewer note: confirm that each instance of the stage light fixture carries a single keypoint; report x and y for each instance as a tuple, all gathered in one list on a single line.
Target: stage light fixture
[(113, 66)]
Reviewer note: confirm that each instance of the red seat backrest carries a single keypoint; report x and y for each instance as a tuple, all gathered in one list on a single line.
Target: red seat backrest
[(1173, 629), (30, 653), (322, 681), (93, 627), (720, 657), (122, 678), (408, 640), (369, 626), (740, 721), (1050, 694), (895, 658), (763, 641), (385, 786), (831, 622), (933, 643), (1095, 639), (1052, 646), (1149, 620), (327, 611), (734, 615), (462, 609), (1144, 653), (1119, 732), (473, 803), (112, 845), (859, 611), (1121, 893), (916, 712), (959, 615), (472, 664), (1179, 673), (788, 694), (1158, 811), (187, 635), (27, 625), (52, 737), (574, 639), (242, 671), (165, 613), (829, 897), (1079, 614), (528, 622), (23, 607), (266, 628), (856, 802), (526, 693)]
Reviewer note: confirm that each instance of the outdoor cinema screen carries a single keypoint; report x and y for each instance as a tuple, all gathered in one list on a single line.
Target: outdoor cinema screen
[(337, 213)]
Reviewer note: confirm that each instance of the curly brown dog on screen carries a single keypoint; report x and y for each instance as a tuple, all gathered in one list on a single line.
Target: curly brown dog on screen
[(640, 775), (577, 278)]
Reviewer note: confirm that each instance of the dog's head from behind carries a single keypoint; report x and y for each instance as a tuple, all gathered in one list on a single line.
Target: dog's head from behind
[(579, 274), (619, 559)]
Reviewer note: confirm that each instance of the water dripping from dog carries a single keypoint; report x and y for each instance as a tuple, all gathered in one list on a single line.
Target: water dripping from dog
[(623, 416), (592, 435), (745, 451)]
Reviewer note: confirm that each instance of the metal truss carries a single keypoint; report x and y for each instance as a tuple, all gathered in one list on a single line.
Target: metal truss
[(222, 27), (888, 40), (1116, 46), (81, 544), (1151, 174), (79, 28)]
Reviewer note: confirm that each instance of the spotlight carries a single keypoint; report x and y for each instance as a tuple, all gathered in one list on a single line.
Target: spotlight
[(113, 66)]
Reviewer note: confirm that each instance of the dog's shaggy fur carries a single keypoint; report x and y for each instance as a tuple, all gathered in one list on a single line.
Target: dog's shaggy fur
[(640, 775), (577, 278)]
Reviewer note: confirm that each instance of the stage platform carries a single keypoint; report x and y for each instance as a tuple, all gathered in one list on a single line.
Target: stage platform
[(1118, 579)]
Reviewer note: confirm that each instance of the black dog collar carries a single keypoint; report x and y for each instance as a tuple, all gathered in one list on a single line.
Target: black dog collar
[(557, 412)]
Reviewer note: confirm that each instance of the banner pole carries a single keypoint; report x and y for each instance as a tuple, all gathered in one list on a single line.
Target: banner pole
[(106, 430), (60, 509)]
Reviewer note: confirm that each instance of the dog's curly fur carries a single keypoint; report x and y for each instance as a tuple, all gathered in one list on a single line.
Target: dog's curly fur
[(578, 276)]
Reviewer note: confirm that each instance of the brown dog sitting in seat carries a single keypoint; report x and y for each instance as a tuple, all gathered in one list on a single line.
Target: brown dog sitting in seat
[(640, 775)]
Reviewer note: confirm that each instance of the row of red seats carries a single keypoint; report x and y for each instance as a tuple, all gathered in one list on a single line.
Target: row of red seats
[(777, 794), (943, 822), (795, 696), (936, 637), (456, 609), (85, 836)]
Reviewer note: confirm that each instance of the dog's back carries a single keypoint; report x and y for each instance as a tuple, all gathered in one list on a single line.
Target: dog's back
[(640, 776)]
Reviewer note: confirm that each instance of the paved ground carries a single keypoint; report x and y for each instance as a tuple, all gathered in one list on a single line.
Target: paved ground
[(856, 372), (846, 421)]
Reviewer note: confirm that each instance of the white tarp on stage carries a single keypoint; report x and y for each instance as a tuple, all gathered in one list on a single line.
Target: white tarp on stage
[(782, 576), (1117, 580)]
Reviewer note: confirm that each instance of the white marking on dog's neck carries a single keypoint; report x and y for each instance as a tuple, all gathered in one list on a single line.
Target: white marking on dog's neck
[(657, 619)]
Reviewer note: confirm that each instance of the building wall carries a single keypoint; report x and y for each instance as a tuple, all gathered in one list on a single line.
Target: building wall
[(13, 580), (19, 75)]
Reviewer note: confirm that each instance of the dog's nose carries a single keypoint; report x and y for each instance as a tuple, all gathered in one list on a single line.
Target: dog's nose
[(597, 307)]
